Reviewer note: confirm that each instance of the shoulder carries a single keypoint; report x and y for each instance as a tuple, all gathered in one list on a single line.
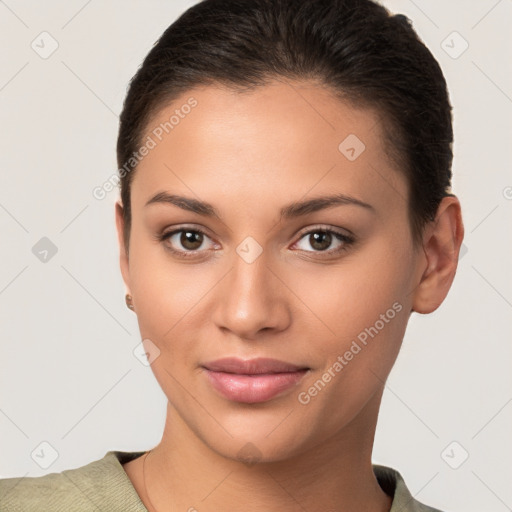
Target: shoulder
[(99, 485), (394, 485), (28, 493)]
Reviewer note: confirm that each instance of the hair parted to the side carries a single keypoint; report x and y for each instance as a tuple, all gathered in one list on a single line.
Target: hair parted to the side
[(355, 48)]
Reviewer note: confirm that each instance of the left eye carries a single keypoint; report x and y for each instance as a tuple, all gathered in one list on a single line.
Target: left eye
[(321, 240)]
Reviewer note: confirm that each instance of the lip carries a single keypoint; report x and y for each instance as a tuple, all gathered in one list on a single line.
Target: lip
[(255, 366), (253, 380)]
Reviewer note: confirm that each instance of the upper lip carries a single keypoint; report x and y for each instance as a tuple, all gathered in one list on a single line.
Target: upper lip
[(255, 366)]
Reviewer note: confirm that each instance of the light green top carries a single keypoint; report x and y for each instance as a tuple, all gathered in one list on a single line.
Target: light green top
[(104, 486)]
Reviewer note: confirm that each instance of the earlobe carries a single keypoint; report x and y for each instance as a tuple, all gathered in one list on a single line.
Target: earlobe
[(441, 247), (123, 256)]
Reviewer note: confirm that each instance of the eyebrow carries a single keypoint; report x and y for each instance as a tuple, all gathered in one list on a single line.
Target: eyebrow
[(292, 210)]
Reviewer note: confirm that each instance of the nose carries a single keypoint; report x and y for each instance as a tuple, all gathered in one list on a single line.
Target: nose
[(252, 298)]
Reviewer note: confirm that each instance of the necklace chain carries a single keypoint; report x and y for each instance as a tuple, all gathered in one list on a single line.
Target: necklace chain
[(144, 480)]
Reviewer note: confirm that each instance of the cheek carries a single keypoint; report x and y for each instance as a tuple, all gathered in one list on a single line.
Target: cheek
[(354, 366), (361, 322), (165, 291), (361, 313), (344, 299)]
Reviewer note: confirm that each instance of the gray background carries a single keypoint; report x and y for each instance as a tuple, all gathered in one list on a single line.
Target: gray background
[(68, 375)]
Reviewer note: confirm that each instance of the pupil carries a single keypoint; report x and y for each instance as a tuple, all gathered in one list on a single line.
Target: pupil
[(192, 238), (323, 237)]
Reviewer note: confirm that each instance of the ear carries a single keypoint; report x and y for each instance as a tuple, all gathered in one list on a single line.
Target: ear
[(123, 256), (441, 246)]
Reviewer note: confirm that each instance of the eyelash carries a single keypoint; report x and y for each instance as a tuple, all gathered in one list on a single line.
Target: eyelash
[(346, 239)]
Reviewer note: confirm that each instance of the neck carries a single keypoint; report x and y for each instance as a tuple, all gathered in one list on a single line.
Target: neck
[(336, 474)]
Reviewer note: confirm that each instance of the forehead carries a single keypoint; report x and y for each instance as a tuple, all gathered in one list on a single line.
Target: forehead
[(283, 139)]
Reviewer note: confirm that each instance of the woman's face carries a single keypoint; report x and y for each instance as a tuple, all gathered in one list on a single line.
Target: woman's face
[(259, 284)]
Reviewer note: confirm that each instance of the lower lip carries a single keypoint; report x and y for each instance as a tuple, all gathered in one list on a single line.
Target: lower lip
[(252, 389)]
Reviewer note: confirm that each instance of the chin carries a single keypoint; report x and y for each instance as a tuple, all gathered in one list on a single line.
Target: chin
[(256, 446)]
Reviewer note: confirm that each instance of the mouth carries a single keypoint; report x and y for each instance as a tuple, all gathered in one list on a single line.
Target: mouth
[(254, 380)]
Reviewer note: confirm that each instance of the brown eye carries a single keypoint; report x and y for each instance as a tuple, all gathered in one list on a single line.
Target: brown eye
[(185, 241), (191, 240), (321, 241)]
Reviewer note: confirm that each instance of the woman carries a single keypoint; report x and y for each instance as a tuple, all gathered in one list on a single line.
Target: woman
[(285, 205)]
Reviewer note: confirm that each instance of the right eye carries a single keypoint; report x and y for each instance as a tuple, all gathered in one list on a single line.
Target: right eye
[(190, 240)]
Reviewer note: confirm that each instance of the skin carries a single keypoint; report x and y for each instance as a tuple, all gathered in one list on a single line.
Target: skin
[(249, 155)]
